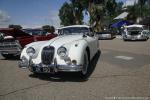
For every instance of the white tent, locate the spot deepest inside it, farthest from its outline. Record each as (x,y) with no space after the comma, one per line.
(122,15)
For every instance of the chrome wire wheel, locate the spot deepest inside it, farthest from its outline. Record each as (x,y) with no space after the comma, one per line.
(85,64)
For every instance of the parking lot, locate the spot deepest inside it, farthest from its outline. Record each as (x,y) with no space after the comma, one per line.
(122,72)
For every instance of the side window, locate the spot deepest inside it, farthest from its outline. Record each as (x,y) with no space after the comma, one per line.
(44,33)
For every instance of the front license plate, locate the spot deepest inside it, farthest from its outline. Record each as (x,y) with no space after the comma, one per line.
(133,38)
(47,70)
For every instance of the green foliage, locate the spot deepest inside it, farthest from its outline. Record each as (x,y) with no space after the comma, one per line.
(111,7)
(96,16)
(66,15)
(71,13)
(48,28)
(142,9)
(101,12)
(15,26)
(77,11)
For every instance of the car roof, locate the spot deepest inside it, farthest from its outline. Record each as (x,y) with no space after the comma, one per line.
(135,25)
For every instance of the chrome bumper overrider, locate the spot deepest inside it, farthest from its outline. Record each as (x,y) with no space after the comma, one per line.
(24,63)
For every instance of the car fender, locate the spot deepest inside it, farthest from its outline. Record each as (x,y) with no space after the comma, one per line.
(77,51)
(36,46)
(24,54)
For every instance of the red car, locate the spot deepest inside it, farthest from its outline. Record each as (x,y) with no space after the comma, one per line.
(12,41)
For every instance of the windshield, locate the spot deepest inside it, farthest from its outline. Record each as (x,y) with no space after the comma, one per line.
(35,31)
(134,29)
(73,30)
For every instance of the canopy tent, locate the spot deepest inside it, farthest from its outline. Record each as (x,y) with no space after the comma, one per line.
(120,23)
(122,15)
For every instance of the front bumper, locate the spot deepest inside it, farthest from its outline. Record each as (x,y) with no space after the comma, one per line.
(10,48)
(105,36)
(55,68)
(135,38)
(38,68)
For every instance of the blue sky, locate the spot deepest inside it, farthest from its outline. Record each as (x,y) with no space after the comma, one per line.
(31,13)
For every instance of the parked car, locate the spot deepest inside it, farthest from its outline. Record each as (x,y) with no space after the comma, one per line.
(135,32)
(12,41)
(105,35)
(71,51)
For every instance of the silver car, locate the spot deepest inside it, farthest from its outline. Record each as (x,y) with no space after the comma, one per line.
(105,35)
(135,32)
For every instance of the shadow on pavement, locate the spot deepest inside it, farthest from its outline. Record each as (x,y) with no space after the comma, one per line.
(13,58)
(67,76)
(10,59)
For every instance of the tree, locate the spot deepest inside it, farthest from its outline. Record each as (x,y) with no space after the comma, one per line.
(77,11)
(141,3)
(134,13)
(66,15)
(111,7)
(15,26)
(119,7)
(110,10)
(139,10)
(99,11)
(71,13)
(48,28)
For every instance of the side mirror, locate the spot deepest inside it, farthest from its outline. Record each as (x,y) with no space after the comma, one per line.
(85,34)
(91,34)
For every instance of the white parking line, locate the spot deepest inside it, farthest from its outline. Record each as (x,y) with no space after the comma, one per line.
(124,57)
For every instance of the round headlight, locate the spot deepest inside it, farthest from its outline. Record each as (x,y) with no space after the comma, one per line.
(30,51)
(62,52)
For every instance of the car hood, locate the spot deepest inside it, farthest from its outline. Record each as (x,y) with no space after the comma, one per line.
(63,40)
(56,42)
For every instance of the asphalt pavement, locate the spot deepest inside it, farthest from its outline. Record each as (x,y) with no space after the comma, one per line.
(120,72)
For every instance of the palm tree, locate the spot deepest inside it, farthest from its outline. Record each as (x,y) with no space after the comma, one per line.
(77,11)
(141,3)
(66,14)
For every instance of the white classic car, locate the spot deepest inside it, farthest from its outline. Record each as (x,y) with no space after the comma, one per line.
(71,51)
(136,32)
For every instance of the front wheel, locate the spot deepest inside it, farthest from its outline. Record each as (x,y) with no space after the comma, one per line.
(84,71)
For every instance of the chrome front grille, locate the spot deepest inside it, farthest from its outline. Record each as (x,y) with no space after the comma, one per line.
(9,46)
(47,55)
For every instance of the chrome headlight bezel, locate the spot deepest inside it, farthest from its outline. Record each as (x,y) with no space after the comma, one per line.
(62,52)
(30,51)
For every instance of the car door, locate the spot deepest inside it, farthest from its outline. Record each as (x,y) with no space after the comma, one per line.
(93,44)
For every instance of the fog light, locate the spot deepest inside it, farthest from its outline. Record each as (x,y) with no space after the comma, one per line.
(24,62)
(74,62)
(67,60)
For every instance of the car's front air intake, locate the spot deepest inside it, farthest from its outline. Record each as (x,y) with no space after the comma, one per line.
(47,55)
